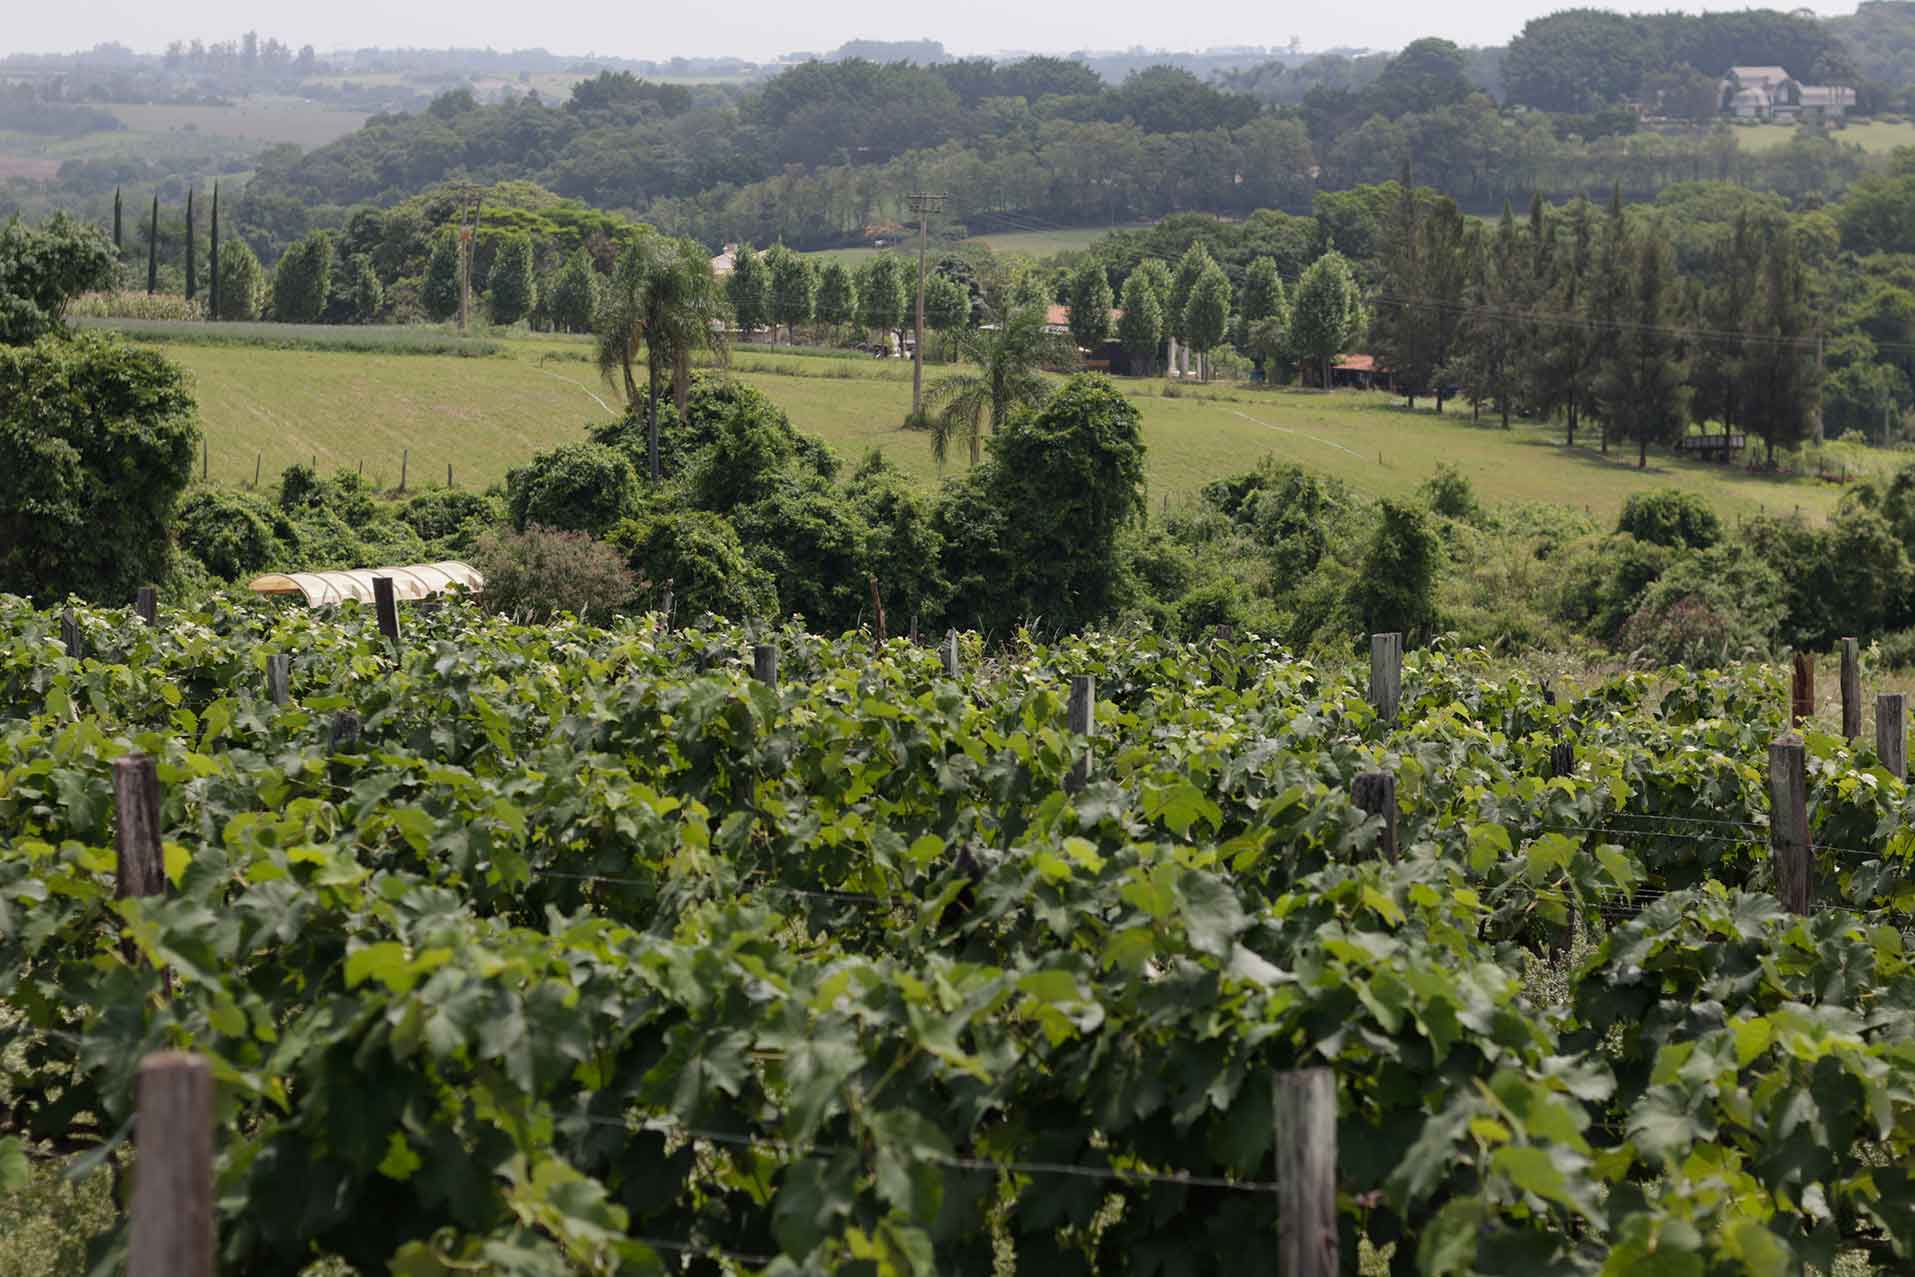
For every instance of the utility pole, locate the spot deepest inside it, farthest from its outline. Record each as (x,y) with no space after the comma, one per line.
(923,205)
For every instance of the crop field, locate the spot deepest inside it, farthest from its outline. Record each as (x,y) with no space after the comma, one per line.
(576,949)
(485,415)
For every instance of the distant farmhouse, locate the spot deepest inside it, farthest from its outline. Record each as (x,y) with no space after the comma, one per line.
(1771,93)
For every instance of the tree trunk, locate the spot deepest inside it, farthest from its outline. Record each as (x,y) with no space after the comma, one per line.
(1572,422)
(651,426)
(1504,405)
(1642,452)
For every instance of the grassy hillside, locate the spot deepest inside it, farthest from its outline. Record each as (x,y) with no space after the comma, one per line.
(485,415)
(1877,137)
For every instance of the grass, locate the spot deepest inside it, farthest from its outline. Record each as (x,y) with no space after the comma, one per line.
(1031,243)
(265,120)
(1877,137)
(484,416)
(395,339)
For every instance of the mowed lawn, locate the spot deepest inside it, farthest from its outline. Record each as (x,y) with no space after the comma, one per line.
(486,415)
(1877,137)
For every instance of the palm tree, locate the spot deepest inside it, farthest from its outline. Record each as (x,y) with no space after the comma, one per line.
(663,300)
(1008,359)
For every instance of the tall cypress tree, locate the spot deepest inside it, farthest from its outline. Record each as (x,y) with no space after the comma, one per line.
(153,249)
(1608,307)
(212,261)
(1784,392)
(119,242)
(192,276)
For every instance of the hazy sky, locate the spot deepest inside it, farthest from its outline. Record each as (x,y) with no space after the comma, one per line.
(762,29)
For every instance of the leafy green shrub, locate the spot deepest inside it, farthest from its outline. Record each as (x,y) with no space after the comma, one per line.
(811,540)
(540,572)
(580,487)
(231,533)
(1396,589)
(97,442)
(452,518)
(699,553)
(1710,608)
(1448,492)
(42,269)
(1670,517)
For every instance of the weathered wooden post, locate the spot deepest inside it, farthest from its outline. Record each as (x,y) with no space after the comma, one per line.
(147,603)
(1562,759)
(1083,722)
(948,653)
(1802,693)
(387,607)
(173,1169)
(205,459)
(764,664)
(448,474)
(1375,793)
(1306,1129)
(1851,691)
(279,677)
(1891,732)
(665,607)
(140,869)
(1386,674)
(1789,822)
(405,459)
(258,458)
(70,636)
(343,736)
(914,629)
(1226,633)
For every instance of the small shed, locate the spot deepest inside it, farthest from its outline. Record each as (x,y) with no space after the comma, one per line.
(414,581)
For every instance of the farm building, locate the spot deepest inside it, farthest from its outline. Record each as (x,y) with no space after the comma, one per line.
(1771,93)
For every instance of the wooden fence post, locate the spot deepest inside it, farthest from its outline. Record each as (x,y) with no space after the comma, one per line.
(343,736)
(1306,1128)
(764,664)
(387,607)
(448,474)
(666,607)
(1802,692)
(147,603)
(1851,691)
(948,653)
(70,636)
(140,871)
(1789,822)
(914,629)
(1386,674)
(258,458)
(1375,793)
(173,1169)
(205,459)
(1562,759)
(1083,722)
(405,458)
(1891,732)
(279,677)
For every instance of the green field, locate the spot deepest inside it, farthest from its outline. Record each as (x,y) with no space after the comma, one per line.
(1030,243)
(1877,137)
(266,120)
(486,415)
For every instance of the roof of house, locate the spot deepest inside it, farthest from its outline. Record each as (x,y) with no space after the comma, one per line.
(1827,95)
(1060,316)
(1759,75)
(1355,363)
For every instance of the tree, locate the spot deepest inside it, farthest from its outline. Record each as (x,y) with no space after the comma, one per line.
(794,289)
(947,307)
(1721,365)
(1090,305)
(1327,314)
(513,290)
(580,487)
(1207,316)
(212,259)
(1494,318)
(837,296)
(42,270)
(1395,591)
(1560,352)
(1785,390)
(748,288)
(1576,60)
(153,248)
(1643,385)
(1190,268)
(303,280)
(881,294)
(1008,358)
(663,301)
(439,294)
(574,296)
(192,275)
(1262,297)
(1141,328)
(368,296)
(1607,310)
(97,441)
(1427,75)
(240,281)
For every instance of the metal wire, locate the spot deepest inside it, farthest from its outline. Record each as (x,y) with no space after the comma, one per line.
(1184,1179)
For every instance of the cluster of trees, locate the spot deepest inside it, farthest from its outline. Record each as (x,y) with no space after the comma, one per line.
(1587,316)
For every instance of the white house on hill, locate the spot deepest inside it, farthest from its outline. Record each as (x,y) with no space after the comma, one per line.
(1771,93)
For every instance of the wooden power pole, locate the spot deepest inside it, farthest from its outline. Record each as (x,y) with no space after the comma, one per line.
(923,205)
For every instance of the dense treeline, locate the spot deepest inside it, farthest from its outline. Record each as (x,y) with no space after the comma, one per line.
(822,153)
